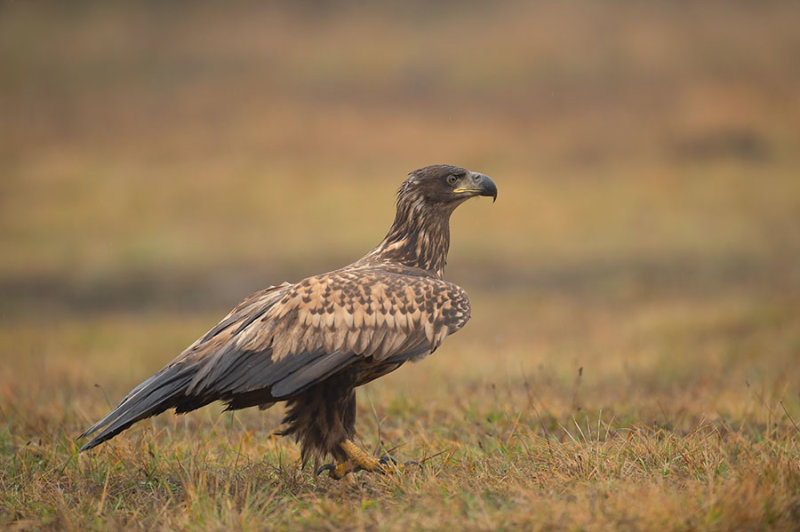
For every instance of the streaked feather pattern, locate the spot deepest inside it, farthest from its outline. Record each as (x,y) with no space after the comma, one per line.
(311,342)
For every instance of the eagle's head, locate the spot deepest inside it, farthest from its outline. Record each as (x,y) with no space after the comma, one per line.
(445,186)
(420,234)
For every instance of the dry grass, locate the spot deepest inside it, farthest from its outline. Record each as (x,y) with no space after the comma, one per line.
(632,358)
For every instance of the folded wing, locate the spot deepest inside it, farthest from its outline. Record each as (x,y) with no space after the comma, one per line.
(284,339)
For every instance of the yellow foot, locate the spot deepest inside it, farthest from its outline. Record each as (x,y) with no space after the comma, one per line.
(358,460)
(337,472)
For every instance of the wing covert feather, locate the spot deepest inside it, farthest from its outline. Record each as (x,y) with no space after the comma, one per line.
(286,338)
(368,313)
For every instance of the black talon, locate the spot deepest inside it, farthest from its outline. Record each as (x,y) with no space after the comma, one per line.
(387,460)
(326,467)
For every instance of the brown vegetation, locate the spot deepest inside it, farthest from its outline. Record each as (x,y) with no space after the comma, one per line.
(632,358)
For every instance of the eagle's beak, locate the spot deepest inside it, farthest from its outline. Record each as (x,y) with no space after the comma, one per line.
(481,185)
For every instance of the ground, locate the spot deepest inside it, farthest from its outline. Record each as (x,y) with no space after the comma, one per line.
(632,358)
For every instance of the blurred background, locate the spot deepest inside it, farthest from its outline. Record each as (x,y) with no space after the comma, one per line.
(160,161)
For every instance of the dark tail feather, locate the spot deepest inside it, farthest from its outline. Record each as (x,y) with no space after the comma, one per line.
(160,392)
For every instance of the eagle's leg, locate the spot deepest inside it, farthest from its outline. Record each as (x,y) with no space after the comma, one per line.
(359,457)
(357,460)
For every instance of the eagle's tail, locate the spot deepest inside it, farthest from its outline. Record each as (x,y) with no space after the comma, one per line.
(160,392)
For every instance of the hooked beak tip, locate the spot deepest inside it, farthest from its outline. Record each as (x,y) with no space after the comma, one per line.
(486,186)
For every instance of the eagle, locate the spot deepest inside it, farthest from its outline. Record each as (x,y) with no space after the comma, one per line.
(311,343)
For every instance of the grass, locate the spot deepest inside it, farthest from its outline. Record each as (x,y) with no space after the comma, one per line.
(631,362)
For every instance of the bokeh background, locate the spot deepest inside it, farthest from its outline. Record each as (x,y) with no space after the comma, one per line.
(160,161)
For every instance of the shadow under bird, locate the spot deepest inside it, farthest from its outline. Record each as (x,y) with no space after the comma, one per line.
(313,342)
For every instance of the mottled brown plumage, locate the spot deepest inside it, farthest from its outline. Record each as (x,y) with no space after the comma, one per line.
(311,343)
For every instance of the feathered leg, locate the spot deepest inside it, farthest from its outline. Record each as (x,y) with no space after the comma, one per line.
(322,417)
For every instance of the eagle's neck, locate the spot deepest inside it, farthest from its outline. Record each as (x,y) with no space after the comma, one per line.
(419,236)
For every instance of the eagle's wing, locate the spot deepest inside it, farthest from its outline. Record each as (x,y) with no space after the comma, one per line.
(284,339)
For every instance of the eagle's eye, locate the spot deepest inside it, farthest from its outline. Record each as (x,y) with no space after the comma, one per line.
(451,179)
